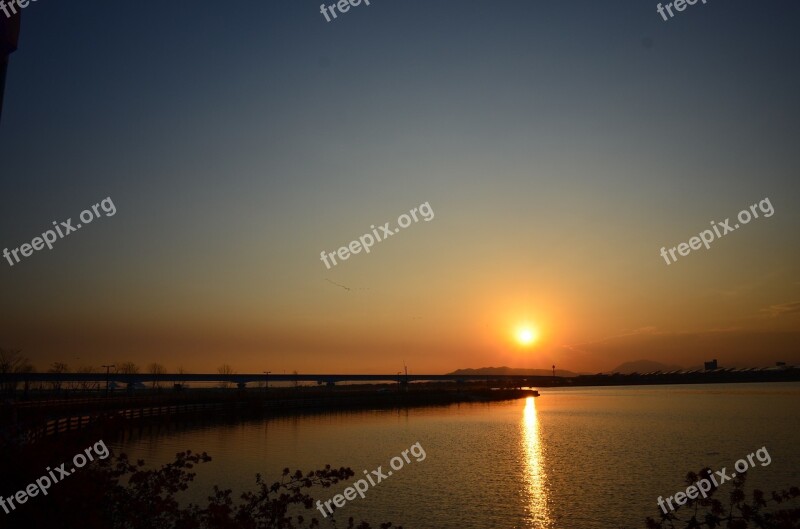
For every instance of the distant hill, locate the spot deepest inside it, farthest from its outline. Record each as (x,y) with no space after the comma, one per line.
(513,371)
(643,366)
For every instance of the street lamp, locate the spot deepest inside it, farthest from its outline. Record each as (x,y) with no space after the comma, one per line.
(107,369)
(266,380)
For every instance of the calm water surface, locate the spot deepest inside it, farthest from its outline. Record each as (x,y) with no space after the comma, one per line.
(570,459)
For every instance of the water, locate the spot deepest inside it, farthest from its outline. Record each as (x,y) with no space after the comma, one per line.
(573,458)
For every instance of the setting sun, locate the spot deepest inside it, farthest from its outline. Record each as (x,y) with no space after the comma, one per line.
(527,335)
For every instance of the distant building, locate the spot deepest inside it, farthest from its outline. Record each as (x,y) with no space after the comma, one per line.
(710,366)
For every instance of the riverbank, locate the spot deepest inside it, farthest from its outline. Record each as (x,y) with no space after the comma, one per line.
(30,422)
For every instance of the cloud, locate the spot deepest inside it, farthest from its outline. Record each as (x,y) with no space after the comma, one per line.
(733,347)
(635,332)
(783,308)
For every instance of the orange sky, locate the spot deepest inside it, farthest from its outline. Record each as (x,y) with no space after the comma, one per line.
(557,164)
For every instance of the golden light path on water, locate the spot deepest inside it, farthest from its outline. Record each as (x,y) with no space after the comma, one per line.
(536,479)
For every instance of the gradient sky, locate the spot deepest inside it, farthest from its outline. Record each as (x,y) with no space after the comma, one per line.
(559,144)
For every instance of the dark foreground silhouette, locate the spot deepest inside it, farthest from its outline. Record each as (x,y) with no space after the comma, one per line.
(737,513)
(117,493)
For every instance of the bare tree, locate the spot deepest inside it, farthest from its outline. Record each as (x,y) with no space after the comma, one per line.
(127,368)
(27,368)
(86,385)
(225,370)
(57,368)
(12,361)
(157,370)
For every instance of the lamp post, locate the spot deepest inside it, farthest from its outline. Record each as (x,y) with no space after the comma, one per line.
(107,370)
(266,381)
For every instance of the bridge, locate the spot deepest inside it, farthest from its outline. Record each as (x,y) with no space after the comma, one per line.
(244,379)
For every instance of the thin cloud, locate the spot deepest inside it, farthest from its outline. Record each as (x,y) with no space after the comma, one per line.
(647,331)
(635,332)
(781,309)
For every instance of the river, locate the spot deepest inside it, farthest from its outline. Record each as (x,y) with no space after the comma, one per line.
(585,458)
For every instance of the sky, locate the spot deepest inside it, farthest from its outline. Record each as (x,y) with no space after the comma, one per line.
(559,146)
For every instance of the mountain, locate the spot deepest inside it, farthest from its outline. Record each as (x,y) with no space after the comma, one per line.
(643,366)
(513,371)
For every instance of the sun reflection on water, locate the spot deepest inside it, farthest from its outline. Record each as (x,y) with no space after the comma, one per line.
(535,477)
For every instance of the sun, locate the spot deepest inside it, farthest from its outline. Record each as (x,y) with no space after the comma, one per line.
(526,335)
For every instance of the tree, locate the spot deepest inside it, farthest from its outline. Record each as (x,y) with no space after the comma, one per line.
(116,493)
(157,370)
(86,385)
(12,361)
(225,370)
(128,368)
(26,368)
(57,368)
(738,514)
